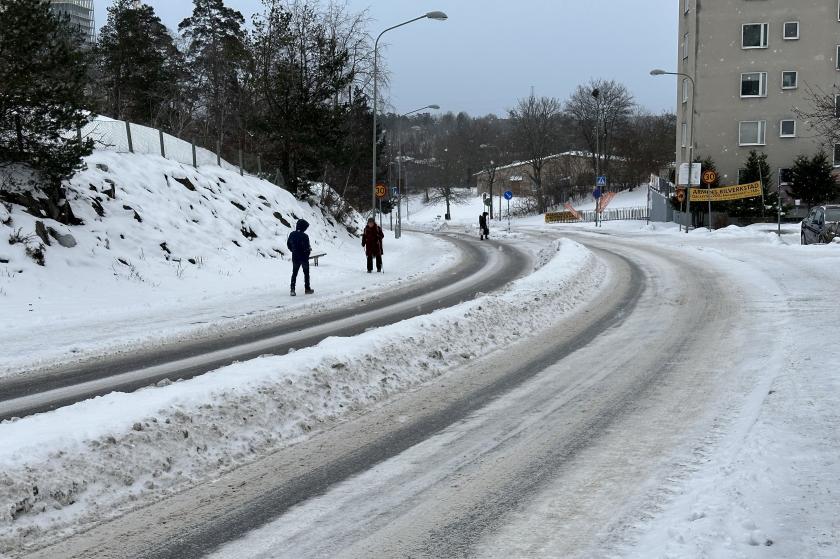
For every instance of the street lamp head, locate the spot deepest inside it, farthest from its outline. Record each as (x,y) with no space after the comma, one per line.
(435,107)
(657,72)
(440,16)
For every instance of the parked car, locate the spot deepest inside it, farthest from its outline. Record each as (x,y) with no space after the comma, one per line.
(821,225)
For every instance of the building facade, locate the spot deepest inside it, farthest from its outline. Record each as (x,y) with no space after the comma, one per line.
(753,62)
(81,14)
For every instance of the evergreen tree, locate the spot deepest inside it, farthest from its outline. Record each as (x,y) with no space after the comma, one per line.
(813,180)
(139,63)
(43,73)
(217,54)
(301,74)
(756,169)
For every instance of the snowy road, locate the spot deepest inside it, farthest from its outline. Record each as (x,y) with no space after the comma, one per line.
(441,470)
(481,268)
(582,441)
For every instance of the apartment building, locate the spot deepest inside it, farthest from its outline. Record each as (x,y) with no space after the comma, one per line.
(81,14)
(752,62)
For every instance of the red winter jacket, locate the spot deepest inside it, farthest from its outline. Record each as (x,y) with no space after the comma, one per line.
(372,240)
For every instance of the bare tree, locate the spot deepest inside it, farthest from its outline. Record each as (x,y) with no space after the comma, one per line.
(646,144)
(536,132)
(823,114)
(602,105)
(445,188)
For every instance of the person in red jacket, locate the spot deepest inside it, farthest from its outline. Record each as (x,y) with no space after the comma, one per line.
(372,241)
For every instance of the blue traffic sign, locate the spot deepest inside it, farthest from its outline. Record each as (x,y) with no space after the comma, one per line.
(602,181)
(508,195)
(597,193)
(395,192)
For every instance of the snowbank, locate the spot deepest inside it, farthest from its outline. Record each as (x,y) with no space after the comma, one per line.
(64,469)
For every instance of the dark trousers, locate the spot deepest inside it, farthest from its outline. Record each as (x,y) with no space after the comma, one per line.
(378,263)
(297,265)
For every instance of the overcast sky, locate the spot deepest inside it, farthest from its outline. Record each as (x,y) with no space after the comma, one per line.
(491,52)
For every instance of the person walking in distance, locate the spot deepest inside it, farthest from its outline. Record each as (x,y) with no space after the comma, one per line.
(484,229)
(372,241)
(298,243)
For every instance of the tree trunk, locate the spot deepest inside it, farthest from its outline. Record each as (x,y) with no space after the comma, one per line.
(19,129)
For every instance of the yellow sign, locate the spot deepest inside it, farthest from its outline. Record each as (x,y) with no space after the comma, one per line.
(726,193)
(561,217)
(681,195)
(381,190)
(709,177)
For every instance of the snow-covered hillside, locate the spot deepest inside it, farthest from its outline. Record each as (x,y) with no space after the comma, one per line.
(166,247)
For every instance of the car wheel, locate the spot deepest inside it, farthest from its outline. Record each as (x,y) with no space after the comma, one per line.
(802,239)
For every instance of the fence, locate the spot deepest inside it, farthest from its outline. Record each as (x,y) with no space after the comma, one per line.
(125,137)
(617,214)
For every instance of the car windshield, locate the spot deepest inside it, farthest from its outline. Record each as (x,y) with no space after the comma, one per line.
(832,214)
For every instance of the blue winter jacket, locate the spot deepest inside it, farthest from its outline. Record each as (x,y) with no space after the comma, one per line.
(298,242)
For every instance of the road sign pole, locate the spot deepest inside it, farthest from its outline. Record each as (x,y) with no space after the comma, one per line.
(399,218)
(508,208)
(709,191)
(709,177)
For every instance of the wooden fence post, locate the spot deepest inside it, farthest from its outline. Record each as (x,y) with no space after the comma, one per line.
(241,172)
(218,152)
(195,159)
(162,149)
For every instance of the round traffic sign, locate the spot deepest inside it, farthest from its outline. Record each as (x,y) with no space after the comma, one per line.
(381,191)
(681,195)
(709,177)
(508,195)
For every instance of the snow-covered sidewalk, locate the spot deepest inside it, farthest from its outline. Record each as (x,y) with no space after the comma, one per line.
(168,253)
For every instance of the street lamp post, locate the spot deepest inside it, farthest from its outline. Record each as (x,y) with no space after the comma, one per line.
(399,167)
(658,72)
(596,94)
(439,16)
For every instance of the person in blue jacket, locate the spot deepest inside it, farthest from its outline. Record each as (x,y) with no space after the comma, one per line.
(298,243)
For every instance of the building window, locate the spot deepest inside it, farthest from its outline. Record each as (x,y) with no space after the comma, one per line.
(754,84)
(791,30)
(685,91)
(787,129)
(685,46)
(837,155)
(837,58)
(752,132)
(754,35)
(790,80)
(684,134)
(742,176)
(837,106)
